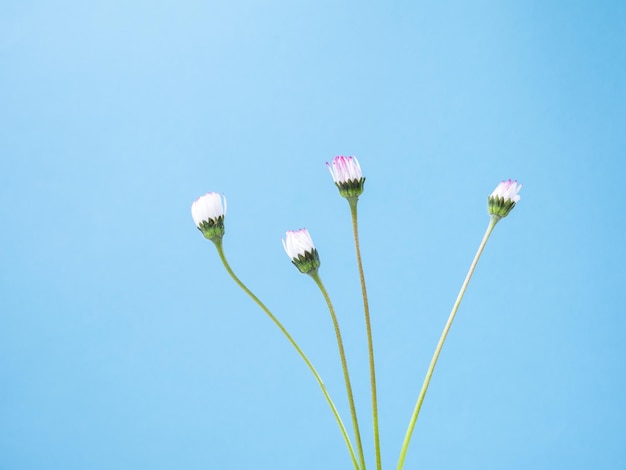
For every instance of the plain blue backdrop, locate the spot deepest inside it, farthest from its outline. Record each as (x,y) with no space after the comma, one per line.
(125,345)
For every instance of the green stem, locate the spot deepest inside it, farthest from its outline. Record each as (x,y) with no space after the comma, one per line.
(220,251)
(344,365)
(420,399)
(370,342)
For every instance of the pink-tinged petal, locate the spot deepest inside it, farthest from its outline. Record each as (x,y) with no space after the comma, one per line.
(502,200)
(507,190)
(298,242)
(345,169)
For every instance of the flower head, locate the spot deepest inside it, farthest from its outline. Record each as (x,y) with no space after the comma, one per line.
(299,247)
(503,199)
(208,213)
(346,173)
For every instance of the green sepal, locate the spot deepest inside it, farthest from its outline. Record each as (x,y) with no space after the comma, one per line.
(499,207)
(213,229)
(351,188)
(308,262)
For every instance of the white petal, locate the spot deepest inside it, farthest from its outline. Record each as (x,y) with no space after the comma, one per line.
(207,207)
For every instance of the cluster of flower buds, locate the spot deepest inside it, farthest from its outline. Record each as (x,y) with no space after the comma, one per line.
(208,213)
(209,210)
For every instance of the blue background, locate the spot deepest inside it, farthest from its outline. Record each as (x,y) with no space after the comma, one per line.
(124,344)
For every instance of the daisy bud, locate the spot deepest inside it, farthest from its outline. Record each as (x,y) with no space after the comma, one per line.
(300,249)
(346,173)
(208,213)
(503,199)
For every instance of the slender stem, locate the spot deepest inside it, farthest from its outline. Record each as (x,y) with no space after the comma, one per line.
(370,342)
(220,251)
(344,365)
(420,399)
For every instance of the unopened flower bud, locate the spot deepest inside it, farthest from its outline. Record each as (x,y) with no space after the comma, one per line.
(208,213)
(346,173)
(503,199)
(300,249)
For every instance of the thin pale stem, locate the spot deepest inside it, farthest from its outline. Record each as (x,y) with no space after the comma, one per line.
(370,343)
(344,433)
(344,365)
(420,399)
